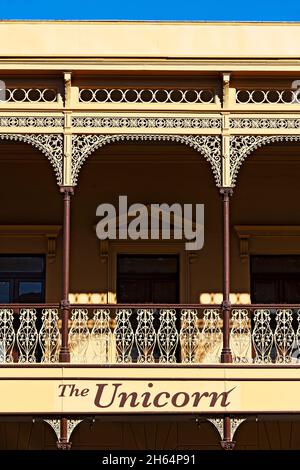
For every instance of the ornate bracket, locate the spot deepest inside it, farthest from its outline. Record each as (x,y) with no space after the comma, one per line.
(208,145)
(234,425)
(55,425)
(50,145)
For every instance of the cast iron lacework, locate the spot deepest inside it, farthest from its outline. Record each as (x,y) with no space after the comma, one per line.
(25,340)
(240,336)
(31,121)
(85,145)
(211,337)
(50,144)
(145,122)
(242,146)
(264,123)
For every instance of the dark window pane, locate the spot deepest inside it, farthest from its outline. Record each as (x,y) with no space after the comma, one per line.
(147,264)
(20,264)
(275,264)
(30,291)
(275,279)
(265,292)
(292,291)
(4,292)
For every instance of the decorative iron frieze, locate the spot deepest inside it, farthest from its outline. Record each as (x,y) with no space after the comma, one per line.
(264,123)
(31,121)
(84,145)
(146,122)
(146,95)
(269,96)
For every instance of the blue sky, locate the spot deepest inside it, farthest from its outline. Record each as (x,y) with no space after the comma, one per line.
(236,10)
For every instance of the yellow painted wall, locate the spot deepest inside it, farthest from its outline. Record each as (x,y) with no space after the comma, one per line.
(148,39)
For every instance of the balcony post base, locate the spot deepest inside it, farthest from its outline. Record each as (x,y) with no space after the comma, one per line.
(226,356)
(227,445)
(64,355)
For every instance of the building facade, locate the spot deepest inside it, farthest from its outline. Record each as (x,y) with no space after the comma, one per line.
(140,343)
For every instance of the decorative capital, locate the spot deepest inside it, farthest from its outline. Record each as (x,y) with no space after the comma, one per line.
(226,77)
(67,190)
(226,191)
(227,445)
(63,445)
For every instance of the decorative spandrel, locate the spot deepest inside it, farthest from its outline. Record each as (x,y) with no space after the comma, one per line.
(84,145)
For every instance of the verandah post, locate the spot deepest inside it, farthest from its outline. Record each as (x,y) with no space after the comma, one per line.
(226,356)
(64,355)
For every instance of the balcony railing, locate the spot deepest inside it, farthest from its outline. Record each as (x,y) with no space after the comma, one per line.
(149,334)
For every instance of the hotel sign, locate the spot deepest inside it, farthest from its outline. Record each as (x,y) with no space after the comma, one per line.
(43,390)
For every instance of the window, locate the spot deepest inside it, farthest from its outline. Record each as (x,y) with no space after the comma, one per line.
(22,279)
(148,279)
(275,279)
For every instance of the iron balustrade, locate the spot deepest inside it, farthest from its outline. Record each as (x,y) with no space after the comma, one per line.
(149,334)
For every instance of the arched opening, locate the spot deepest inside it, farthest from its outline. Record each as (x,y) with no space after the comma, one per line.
(30,215)
(265,253)
(266,201)
(147,173)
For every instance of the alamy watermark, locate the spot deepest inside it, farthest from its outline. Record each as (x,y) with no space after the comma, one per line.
(154,222)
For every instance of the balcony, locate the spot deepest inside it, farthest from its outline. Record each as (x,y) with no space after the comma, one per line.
(150,334)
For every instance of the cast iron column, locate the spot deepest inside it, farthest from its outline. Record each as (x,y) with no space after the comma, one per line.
(64,355)
(63,443)
(227,443)
(226,308)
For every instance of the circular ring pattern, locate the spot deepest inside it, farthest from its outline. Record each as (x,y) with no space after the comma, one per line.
(146,96)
